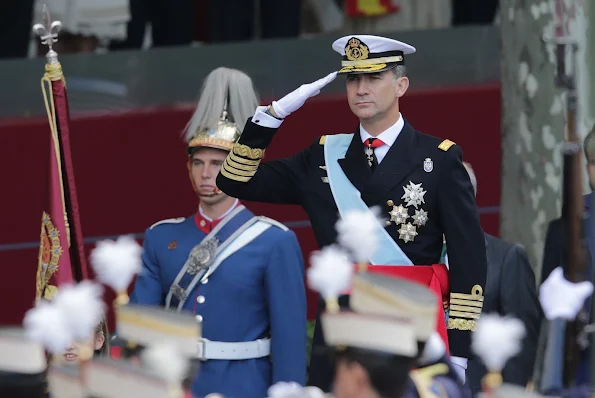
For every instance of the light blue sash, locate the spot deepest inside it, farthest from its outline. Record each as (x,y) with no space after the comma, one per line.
(348,198)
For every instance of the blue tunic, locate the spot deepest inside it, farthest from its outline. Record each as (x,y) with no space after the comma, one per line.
(256,292)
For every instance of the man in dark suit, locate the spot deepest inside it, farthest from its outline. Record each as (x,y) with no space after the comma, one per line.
(510,290)
(417,181)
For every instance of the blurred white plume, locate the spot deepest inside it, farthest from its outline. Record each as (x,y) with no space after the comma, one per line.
(357,233)
(497,339)
(116,262)
(330,272)
(47,325)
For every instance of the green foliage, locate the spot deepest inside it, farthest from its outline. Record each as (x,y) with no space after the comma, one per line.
(309,334)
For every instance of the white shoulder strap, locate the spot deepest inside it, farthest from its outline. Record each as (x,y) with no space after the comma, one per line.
(242,240)
(168,221)
(273,222)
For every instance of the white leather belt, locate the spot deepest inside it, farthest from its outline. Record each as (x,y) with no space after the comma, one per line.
(208,349)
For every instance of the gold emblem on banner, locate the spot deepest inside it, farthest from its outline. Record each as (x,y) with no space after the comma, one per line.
(50,252)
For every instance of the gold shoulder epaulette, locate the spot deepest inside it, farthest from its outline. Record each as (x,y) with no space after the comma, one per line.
(322,140)
(446,144)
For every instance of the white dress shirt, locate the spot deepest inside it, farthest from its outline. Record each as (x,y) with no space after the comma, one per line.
(388,136)
(202,213)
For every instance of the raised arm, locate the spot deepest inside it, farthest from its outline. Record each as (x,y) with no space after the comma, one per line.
(245,176)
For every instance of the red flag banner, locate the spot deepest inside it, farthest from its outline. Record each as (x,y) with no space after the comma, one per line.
(370,8)
(61,253)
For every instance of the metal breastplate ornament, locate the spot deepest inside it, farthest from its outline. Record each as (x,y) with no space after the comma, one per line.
(202,256)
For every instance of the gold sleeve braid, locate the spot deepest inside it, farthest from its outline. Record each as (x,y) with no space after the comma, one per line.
(465,309)
(242,162)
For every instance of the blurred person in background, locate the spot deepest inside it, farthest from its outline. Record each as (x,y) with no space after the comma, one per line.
(172,23)
(87,25)
(510,290)
(15,28)
(473,12)
(239,20)
(554,254)
(377,16)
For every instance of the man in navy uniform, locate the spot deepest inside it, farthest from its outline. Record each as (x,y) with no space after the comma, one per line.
(242,275)
(417,180)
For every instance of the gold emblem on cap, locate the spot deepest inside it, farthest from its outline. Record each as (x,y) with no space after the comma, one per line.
(356,50)
(172,245)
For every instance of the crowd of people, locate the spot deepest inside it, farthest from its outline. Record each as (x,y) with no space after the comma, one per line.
(91,26)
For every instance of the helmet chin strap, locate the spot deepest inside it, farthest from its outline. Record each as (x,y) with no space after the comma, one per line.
(216,192)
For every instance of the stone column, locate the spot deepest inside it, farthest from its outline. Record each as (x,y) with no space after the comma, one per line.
(532,126)
(590,11)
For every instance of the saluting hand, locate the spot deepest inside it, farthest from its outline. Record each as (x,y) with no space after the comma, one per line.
(294,100)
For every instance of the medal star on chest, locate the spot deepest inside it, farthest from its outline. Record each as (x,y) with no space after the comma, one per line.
(407,232)
(420,217)
(414,194)
(399,214)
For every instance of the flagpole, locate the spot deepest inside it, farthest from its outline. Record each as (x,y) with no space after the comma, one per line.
(61,255)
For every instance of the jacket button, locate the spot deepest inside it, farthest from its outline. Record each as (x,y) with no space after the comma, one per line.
(198,318)
(205,281)
(200,299)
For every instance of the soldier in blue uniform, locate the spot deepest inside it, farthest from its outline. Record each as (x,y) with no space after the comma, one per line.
(417,180)
(242,275)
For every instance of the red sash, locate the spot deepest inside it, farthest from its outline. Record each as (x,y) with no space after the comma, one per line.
(435,277)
